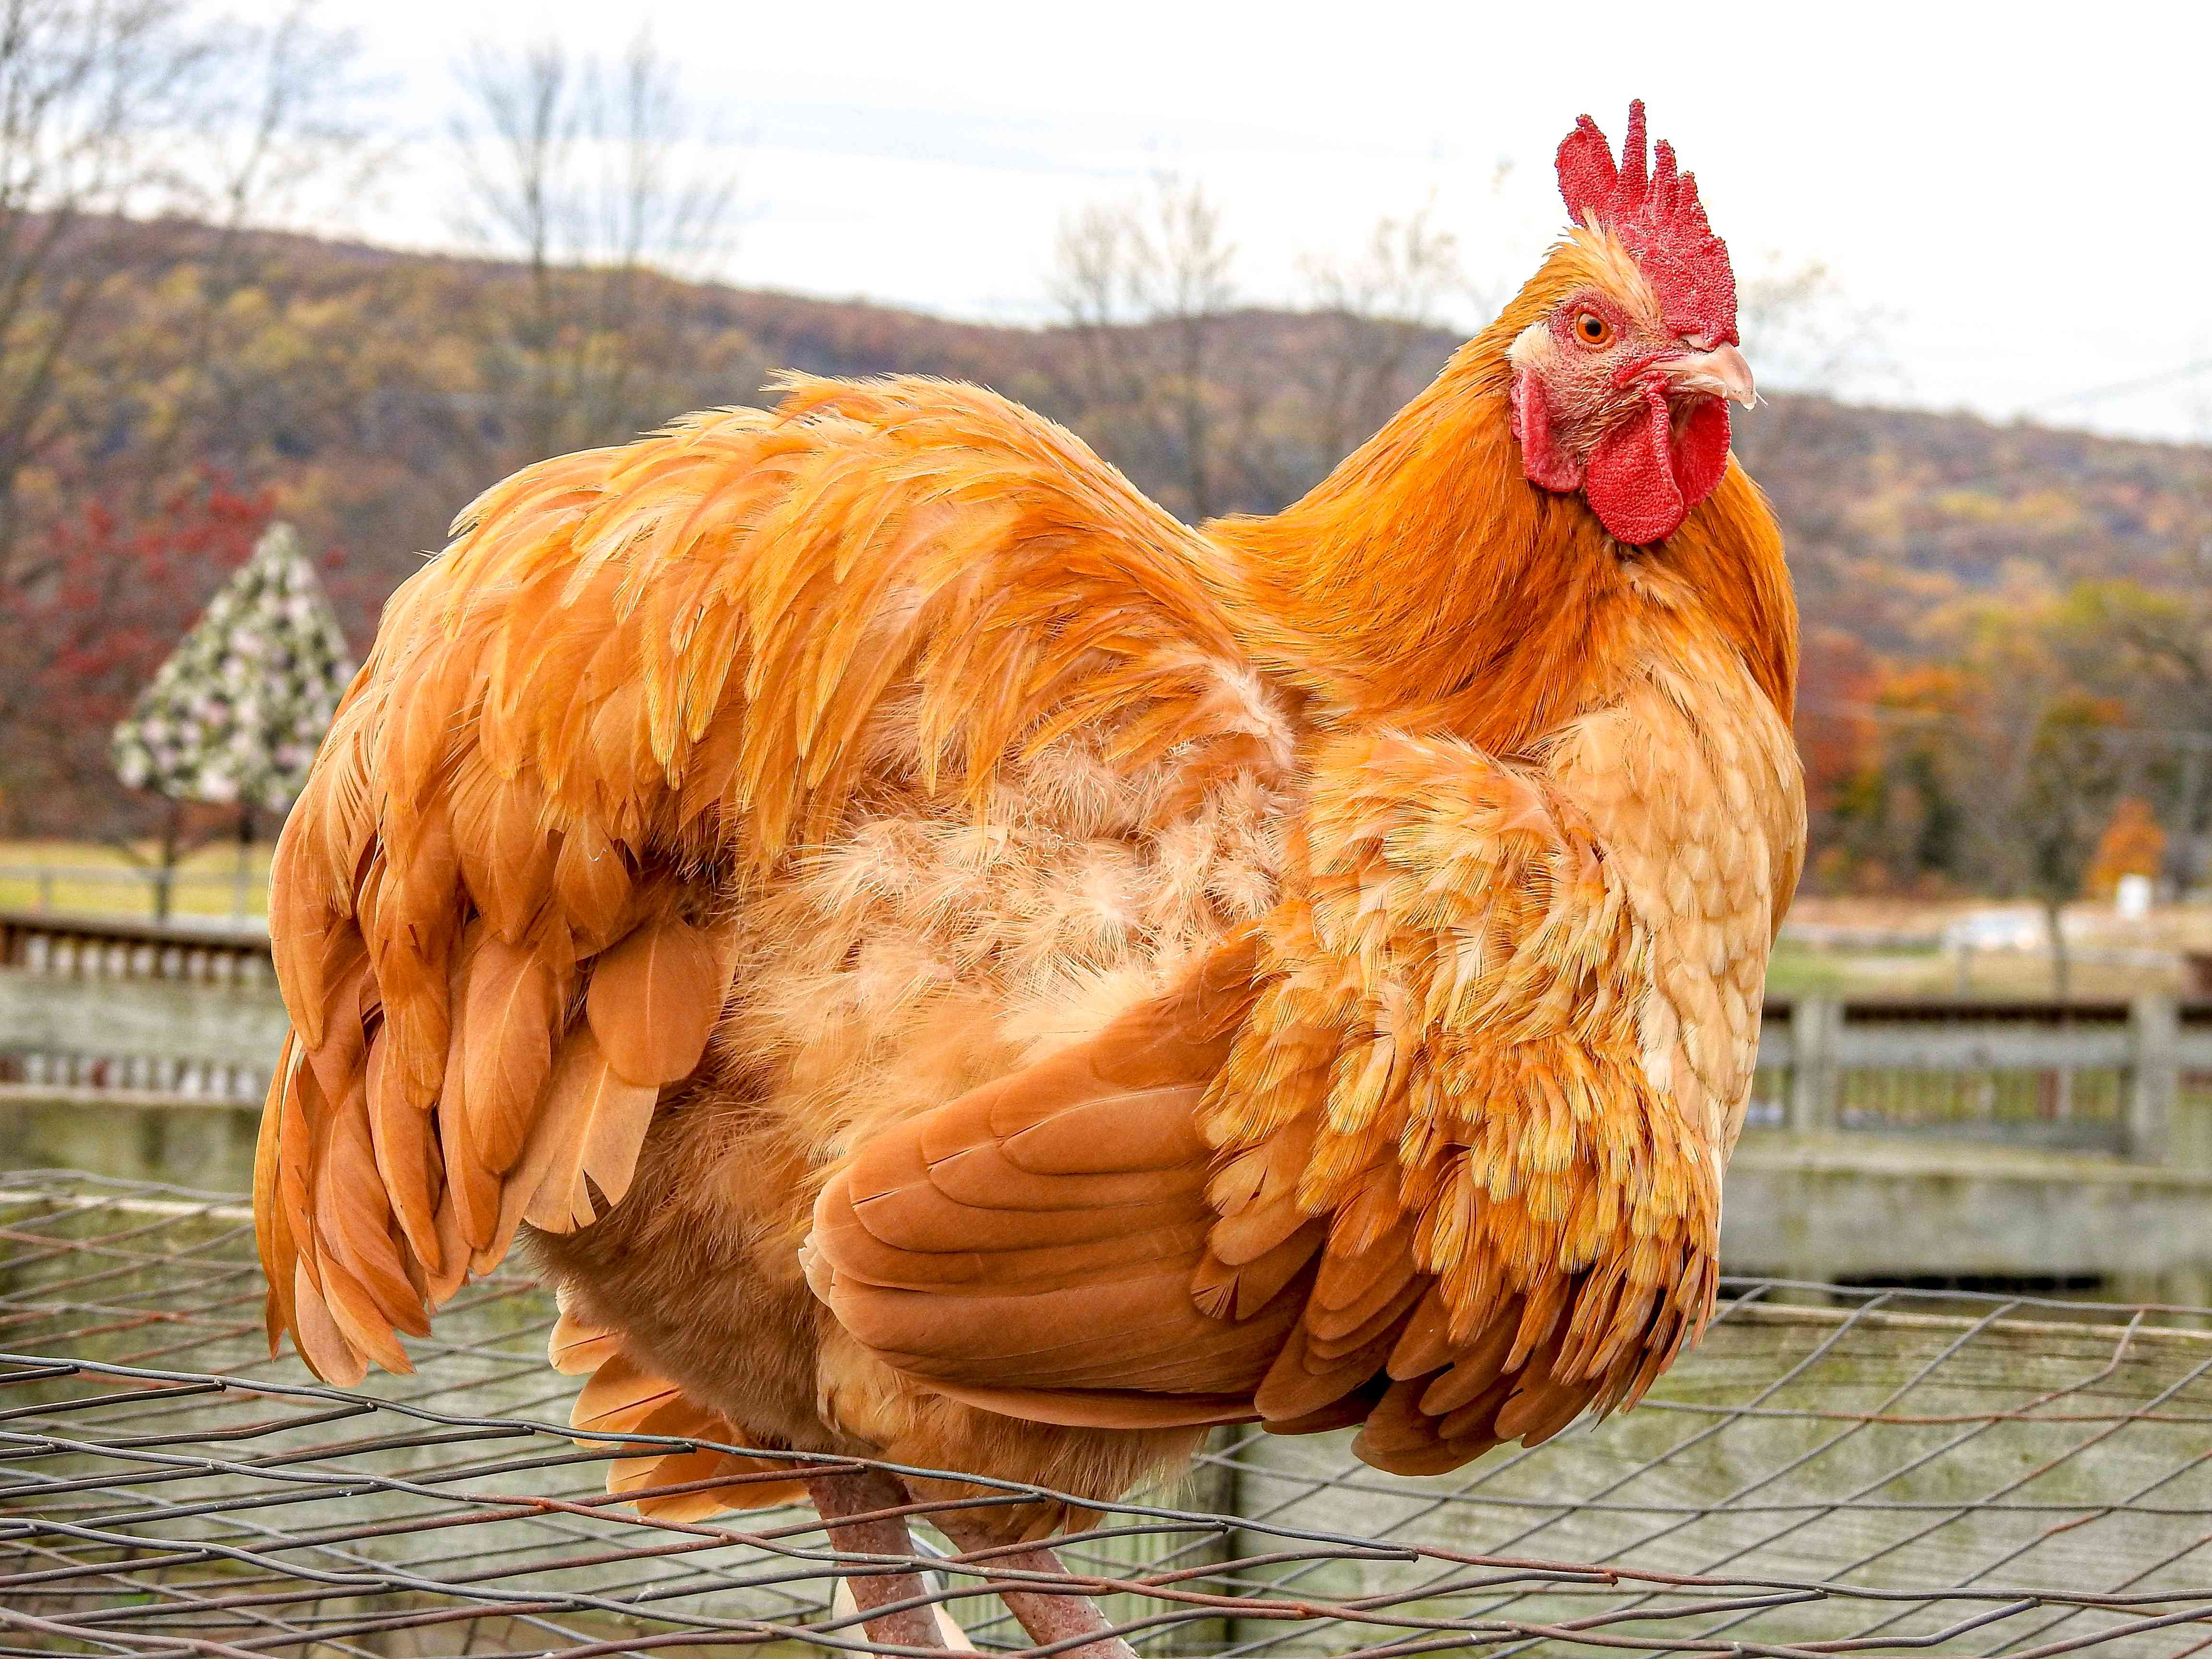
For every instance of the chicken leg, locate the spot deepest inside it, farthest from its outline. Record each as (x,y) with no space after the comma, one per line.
(1049,1616)
(863,1491)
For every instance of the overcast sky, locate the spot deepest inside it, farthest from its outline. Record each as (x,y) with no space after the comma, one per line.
(2022,202)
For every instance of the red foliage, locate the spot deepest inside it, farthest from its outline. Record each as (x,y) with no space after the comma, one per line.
(113,598)
(2132,845)
(1839,681)
(94,610)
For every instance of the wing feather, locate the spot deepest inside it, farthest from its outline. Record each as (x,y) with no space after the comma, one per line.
(634,684)
(653,1000)
(1394,1159)
(407,1158)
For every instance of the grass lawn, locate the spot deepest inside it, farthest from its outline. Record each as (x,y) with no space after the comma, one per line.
(1990,975)
(87,875)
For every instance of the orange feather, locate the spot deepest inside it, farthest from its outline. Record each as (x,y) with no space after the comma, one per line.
(1302,968)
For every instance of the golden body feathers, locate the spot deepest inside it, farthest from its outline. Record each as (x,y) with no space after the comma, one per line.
(951,964)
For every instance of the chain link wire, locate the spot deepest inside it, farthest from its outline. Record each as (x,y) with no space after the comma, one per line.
(1832,1472)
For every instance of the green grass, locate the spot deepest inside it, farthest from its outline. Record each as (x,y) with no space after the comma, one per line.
(1795,972)
(209,889)
(1934,975)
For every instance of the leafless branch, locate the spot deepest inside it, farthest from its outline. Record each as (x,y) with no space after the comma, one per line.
(585,173)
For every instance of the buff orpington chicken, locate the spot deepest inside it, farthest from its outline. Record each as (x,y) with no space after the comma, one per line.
(944,963)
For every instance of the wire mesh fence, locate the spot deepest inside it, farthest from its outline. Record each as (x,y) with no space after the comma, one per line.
(1832,1472)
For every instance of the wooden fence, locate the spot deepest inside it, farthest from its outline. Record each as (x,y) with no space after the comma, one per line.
(2105,1076)
(91,1003)
(1885,1138)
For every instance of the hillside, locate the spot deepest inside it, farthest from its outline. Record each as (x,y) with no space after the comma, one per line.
(1889,512)
(1887,509)
(369,393)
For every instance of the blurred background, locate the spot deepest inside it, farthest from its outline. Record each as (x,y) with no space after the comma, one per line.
(284,286)
(341,264)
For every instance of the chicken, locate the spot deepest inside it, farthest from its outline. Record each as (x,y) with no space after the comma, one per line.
(944,962)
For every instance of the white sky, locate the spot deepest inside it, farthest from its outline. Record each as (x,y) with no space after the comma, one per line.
(2019,190)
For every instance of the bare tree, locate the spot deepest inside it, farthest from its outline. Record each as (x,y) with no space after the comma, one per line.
(1804,332)
(144,144)
(585,173)
(1380,314)
(114,115)
(86,89)
(281,117)
(1144,287)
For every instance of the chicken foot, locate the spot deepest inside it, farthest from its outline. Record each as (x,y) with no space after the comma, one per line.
(1047,1615)
(861,1491)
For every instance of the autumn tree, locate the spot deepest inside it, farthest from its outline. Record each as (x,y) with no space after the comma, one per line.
(1929,714)
(129,129)
(1839,738)
(2070,778)
(1145,289)
(2036,754)
(144,144)
(2132,844)
(585,173)
(83,643)
(2153,648)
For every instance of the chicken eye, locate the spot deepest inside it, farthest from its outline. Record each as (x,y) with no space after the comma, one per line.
(1593,330)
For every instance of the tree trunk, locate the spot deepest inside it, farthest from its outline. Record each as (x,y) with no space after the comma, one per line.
(165,872)
(2061,969)
(242,872)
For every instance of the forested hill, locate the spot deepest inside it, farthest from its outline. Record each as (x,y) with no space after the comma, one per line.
(367,394)
(377,391)
(1889,512)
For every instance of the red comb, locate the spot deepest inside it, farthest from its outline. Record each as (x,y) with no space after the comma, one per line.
(1658,216)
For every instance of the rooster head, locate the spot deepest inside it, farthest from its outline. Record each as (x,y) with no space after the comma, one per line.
(1620,383)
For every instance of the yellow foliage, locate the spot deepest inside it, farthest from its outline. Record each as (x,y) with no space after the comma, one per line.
(2046,508)
(2132,845)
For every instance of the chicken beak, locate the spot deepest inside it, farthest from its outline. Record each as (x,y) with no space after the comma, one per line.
(1720,372)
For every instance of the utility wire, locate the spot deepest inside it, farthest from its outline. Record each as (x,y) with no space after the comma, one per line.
(2126,388)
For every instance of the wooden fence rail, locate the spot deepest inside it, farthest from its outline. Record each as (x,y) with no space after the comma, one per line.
(2108,1076)
(1885,1137)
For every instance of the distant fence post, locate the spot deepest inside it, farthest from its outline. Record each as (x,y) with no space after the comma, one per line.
(2155,1084)
(1811,1104)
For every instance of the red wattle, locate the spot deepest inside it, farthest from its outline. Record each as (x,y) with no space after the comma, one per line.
(1701,451)
(1631,484)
